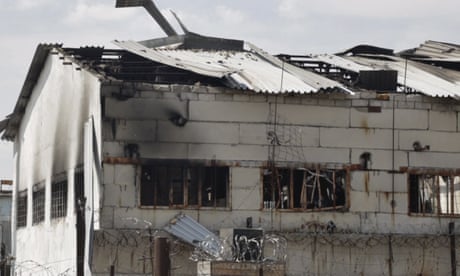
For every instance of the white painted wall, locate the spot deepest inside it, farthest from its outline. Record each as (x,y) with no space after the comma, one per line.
(49,142)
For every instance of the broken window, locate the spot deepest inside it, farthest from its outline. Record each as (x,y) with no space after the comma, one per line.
(38,204)
(317,189)
(184,186)
(434,194)
(59,199)
(21,215)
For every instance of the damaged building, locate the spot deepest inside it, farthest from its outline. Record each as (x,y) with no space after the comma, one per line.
(332,164)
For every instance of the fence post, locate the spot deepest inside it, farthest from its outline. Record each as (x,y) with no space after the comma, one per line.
(453,257)
(161,257)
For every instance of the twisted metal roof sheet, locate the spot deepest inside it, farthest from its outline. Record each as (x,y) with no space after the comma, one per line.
(436,50)
(426,79)
(252,70)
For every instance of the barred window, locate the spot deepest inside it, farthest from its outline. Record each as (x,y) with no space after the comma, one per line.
(59,199)
(304,189)
(432,194)
(184,186)
(21,214)
(38,204)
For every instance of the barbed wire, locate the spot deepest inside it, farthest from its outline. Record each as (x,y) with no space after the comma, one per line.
(285,139)
(34,267)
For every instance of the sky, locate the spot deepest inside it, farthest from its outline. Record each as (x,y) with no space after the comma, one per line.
(277,26)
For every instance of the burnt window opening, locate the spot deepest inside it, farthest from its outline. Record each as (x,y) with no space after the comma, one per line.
(431,194)
(184,186)
(59,199)
(38,204)
(21,214)
(304,189)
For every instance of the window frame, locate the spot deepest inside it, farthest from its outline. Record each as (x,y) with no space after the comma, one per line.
(436,203)
(59,197)
(38,203)
(187,169)
(295,202)
(21,209)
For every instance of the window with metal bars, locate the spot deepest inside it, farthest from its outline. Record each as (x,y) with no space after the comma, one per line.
(432,194)
(21,214)
(38,204)
(184,186)
(59,199)
(304,189)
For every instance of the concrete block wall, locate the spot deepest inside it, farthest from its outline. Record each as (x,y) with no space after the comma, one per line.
(231,126)
(330,130)
(320,255)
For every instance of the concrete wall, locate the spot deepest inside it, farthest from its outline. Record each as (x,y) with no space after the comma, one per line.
(330,130)
(50,142)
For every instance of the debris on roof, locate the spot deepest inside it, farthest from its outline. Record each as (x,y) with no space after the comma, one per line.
(433,69)
(417,77)
(441,54)
(248,70)
(414,75)
(366,49)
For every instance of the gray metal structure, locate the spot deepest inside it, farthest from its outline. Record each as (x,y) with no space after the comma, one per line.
(195,234)
(248,70)
(418,77)
(152,10)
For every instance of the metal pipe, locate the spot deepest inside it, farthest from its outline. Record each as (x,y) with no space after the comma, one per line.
(159,18)
(152,10)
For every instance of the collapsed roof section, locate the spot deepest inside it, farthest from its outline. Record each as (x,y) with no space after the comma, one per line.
(241,65)
(193,59)
(446,55)
(414,73)
(411,76)
(236,64)
(250,69)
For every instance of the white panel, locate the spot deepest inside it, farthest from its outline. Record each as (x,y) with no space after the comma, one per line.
(51,139)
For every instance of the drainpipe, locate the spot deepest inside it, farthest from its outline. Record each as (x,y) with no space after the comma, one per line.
(14,206)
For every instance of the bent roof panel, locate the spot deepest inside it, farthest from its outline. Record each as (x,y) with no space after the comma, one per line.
(439,51)
(423,78)
(251,70)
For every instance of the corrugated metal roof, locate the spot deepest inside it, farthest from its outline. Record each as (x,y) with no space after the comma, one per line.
(342,62)
(189,230)
(252,70)
(436,50)
(426,79)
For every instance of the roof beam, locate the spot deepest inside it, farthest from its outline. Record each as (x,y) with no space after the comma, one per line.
(152,10)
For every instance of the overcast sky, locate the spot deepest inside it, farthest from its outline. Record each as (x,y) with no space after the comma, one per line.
(278,26)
